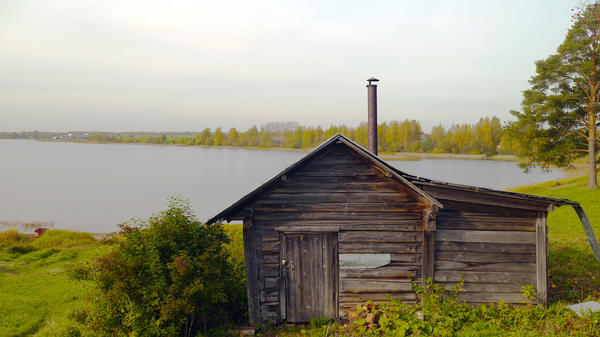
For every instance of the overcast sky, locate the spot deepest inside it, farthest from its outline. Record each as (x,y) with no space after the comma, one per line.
(186,65)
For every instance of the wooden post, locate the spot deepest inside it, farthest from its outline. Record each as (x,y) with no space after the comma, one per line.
(283,265)
(429,227)
(541,254)
(589,231)
(251,269)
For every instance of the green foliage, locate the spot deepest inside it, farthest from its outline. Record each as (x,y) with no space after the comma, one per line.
(560,111)
(440,313)
(483,137)
(318,322)
(529,292)
(170,275)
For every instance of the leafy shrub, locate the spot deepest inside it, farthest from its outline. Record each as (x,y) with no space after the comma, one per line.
(72,331)
(238,297)
(170,275)
(441,313)
(319,322)
(64,239)
(80,271)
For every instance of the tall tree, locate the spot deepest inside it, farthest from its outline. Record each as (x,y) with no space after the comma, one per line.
(559,118)
(232,137)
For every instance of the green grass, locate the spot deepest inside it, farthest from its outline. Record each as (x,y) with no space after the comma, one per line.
(12,237)
(64,239)
(36,292)
(37,295)
(574,273)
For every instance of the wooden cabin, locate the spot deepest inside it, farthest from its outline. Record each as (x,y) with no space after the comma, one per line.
(340,227)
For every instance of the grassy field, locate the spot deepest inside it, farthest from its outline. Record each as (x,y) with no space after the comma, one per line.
(573,271)
(37,293)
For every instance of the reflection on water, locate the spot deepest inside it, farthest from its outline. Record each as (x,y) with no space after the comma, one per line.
(93,187)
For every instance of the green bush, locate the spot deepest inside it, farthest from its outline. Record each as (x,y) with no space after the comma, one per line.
(319,322)
(238,299)
(441,313)
(168,276)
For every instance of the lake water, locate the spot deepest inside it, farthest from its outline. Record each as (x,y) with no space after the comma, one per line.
(93,187)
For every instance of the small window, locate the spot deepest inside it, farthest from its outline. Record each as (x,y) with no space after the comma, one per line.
(364,260)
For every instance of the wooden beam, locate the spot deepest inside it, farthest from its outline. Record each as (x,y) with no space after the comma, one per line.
(282,278)
(457,194)
(542,259)
(308,228)
(251,271)
(589,231)
(429,227)
(512,237)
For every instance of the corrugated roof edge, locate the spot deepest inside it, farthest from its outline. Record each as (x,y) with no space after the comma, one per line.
(557,201)
(412,178)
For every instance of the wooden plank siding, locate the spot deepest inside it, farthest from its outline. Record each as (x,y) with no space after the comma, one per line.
(342,197)
(368,212)
(492,250)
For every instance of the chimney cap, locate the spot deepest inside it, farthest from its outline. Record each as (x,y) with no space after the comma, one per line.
(372,79)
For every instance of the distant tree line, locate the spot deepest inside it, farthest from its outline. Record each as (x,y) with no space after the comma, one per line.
(483,137)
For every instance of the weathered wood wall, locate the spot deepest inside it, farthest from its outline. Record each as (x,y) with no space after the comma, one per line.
(494,251)
(340,192)
(495,242)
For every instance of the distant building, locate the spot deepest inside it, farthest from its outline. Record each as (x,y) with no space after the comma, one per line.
(40,231)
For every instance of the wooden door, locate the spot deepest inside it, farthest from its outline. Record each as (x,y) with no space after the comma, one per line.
(310,273)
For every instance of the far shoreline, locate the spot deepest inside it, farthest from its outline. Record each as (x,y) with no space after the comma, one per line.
(394,156)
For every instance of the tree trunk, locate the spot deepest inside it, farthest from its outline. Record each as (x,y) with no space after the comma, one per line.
(592,179)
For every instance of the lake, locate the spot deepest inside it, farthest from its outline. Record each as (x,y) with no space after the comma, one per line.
(93,187)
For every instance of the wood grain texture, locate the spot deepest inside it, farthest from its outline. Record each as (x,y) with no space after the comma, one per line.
(479,287)
(485,247)
(489,297)
(485,277)
(311,276)
(251,274)
(464,266)
(483,257)
(379,248)
(457,194)
(361,286)
(429,233)
(377,237)
(387,272)
(511,237)
(542,259)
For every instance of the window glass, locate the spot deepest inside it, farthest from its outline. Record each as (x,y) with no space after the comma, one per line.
(364,260)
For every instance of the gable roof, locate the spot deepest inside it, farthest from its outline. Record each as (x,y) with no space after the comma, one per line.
(337,139)
(409,180)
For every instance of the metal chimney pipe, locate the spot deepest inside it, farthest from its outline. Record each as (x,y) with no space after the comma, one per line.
(372,123)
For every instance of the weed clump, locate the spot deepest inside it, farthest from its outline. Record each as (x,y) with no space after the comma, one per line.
(21,249)
(12,237)
(440,312)
(63,239)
